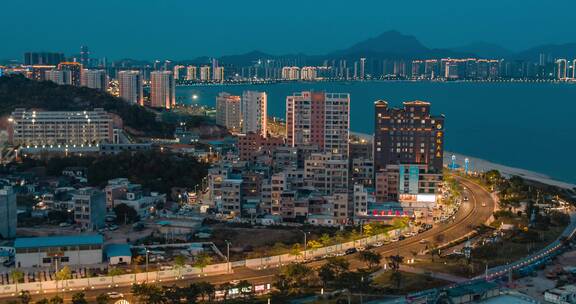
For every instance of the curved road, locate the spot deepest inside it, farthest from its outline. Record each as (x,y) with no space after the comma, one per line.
(470,215)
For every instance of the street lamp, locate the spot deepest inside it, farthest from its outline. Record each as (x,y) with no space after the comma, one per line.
(305,242)
(227,256)
(147,252)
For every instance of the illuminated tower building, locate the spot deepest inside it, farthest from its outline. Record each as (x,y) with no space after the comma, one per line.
(162,90)
(130,86)
(75,69)
(254,108)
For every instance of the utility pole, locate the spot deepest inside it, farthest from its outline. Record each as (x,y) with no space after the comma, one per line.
(227,256)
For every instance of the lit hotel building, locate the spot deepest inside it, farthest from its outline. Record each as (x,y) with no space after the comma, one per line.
(320,119)
(408,153)
(162,90)
(130,87)
(47,128)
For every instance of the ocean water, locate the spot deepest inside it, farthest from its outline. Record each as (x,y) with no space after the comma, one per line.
(525,125)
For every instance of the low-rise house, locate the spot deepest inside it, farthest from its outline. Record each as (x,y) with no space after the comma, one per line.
(118,254)
(561,295)
(58,250)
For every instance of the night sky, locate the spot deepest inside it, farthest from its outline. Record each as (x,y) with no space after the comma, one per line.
(184,29)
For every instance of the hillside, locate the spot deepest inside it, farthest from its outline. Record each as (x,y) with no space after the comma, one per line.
(20,92)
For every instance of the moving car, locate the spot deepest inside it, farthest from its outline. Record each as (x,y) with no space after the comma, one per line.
(114,295)
(351,250)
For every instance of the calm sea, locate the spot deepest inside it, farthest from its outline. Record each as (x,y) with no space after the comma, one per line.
(526,125)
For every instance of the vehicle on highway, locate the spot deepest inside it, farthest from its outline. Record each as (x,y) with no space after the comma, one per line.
(465,199)
(400,238)
(378,244)
(423,241)
(351,250)
(114,295)
(483,204)
(361,248)
(394,239)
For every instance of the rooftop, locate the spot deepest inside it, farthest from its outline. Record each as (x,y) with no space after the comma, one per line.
(55,241)
(116,250)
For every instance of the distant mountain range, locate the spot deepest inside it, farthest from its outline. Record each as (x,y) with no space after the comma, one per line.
(395,45)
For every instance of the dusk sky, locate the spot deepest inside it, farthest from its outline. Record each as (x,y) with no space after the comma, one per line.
(179,29)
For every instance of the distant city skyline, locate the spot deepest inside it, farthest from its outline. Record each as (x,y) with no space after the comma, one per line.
(184,30)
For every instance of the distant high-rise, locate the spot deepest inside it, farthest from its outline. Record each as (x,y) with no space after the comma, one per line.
(362,68)
(43,58)
(219,74)
(58,76)
(179,72)
(162,90)
(318,118)
(214,68)
(205,73)
(561,69)
(228,113)
(75,69)
(130,85)
(95,79)
(191,73)
(410,135)
(254,108)
(84,56)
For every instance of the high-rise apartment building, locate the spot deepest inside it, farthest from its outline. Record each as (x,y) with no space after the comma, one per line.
(95,79)
(561,69)
(130,87)
(191,72)
(43,58)
(319,118)
(162,90)
(254,109)
(75,69)
(180,72)
(59,77)
(84,56)
(408,135)
(205,74)
(228,113)
(219,74)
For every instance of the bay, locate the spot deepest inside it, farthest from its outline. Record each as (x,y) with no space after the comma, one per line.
(520,124)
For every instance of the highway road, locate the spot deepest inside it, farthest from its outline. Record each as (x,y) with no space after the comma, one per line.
(470,215)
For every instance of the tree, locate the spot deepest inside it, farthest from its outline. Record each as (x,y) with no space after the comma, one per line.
(148,293)
(25,297)
(370,258)
(16,276)
(202,260)
(102,299)
(313,244)
(394,262)
(206,290)
(226,288)
(56,300)
(179,263)
(291,278)
(325,239)
(79,298)
(333,270)
(295,250)
(191,293)
(45,301)
(64,274)
(172,294)
(125,214)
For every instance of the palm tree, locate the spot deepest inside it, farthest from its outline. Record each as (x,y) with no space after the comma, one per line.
(394,261)
(206,290)
(226,288)
(63,275)
(16,276)
(79,298)
(102,299)
(56,300)
(25,297)
(370,258)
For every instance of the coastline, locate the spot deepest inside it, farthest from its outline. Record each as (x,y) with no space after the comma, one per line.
(482,165)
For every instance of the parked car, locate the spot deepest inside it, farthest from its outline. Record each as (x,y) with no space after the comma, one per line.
(351,250)
(378,244)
